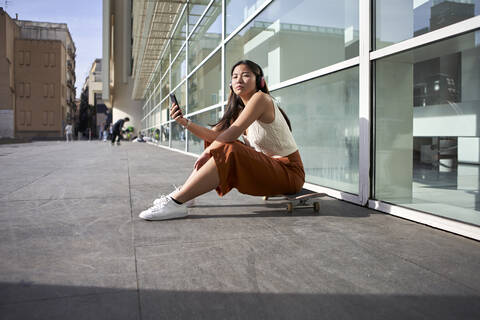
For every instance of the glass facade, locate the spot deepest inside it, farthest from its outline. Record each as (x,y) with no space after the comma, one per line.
(412,144)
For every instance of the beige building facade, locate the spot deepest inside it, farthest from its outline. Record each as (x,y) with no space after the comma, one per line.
(8,31)
(94,82)
(93,85)
(40,88)
(37,77)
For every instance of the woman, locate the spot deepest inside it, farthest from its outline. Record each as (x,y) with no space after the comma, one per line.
(267,163)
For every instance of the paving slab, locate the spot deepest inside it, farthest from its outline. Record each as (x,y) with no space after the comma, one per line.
(73,247)
(66,242)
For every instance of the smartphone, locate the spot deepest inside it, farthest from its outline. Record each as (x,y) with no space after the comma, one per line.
(174,99)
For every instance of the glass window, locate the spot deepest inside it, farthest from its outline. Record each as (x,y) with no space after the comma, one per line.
(238,11)
(165,111)
(195,144)
(325,127)
(179,69)
(157,115)
(179,36)
(165,63)
(165,86)
(204,86)
(195,10)
(207,36)
(164,134)
(427,144)
(157,95)
(396,21)
(181,96)
(291,38)
(178,136)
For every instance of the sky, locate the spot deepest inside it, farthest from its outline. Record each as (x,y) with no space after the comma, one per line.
(84,20)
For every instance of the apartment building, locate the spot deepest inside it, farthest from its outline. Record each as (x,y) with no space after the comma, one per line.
(40,93)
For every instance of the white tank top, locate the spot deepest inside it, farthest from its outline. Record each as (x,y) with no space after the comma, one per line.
(273,139)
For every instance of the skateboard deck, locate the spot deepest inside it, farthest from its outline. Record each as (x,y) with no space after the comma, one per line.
(300,200)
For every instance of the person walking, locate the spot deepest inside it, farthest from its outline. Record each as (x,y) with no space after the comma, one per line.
(68,132)
(268,163)
(117,130)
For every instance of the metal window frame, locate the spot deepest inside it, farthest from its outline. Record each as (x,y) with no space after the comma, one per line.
(428,219)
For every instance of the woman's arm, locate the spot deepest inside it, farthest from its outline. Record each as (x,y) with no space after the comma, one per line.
(203,133)
(255,108)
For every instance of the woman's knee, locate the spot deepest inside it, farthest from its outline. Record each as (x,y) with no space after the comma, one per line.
(229,147)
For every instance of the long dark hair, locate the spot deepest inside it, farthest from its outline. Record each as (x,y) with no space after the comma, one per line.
(235,104)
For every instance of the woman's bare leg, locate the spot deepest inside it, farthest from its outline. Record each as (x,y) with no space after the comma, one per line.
(194,172)
(200,182)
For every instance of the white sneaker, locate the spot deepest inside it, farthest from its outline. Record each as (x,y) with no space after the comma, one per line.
(189,203)
(166,209)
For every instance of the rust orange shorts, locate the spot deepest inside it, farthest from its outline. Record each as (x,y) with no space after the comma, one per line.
(254,173)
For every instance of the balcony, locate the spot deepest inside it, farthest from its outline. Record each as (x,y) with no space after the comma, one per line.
(71,53)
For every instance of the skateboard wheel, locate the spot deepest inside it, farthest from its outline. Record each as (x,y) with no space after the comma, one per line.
(316,206)
(265,198)
(289,207)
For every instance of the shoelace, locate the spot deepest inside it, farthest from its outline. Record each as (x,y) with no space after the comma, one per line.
(176,188)
(163,200)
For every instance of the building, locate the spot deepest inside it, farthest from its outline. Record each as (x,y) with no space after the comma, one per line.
(38,98)
(93,87)
(118,81)
(8,32)
(383,96)
(94,83)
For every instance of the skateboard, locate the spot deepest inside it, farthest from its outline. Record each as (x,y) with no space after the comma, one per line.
(300,200)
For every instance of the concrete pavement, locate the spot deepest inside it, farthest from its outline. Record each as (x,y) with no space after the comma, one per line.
(72,247)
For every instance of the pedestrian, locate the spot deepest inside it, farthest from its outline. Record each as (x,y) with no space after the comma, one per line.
(68,132)
(105,131)
(117,130)
(267,163)
(100,131)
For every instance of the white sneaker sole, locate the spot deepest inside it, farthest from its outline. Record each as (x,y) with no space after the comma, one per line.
(170,216)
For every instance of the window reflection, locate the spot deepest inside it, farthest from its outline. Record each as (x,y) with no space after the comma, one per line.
(178,136)
(207,36)
(179,36)
(195,11)
(195,144)
(204,86)
(179,69)
(325,127)
(428,131)
(400,20)
(291,38)
(238,11)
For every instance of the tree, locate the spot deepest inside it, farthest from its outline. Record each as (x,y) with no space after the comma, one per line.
(87,115)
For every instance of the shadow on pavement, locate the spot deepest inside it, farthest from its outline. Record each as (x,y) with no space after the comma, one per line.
(37,301)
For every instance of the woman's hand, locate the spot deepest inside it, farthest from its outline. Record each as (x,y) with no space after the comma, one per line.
(202,160)
(176,114)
